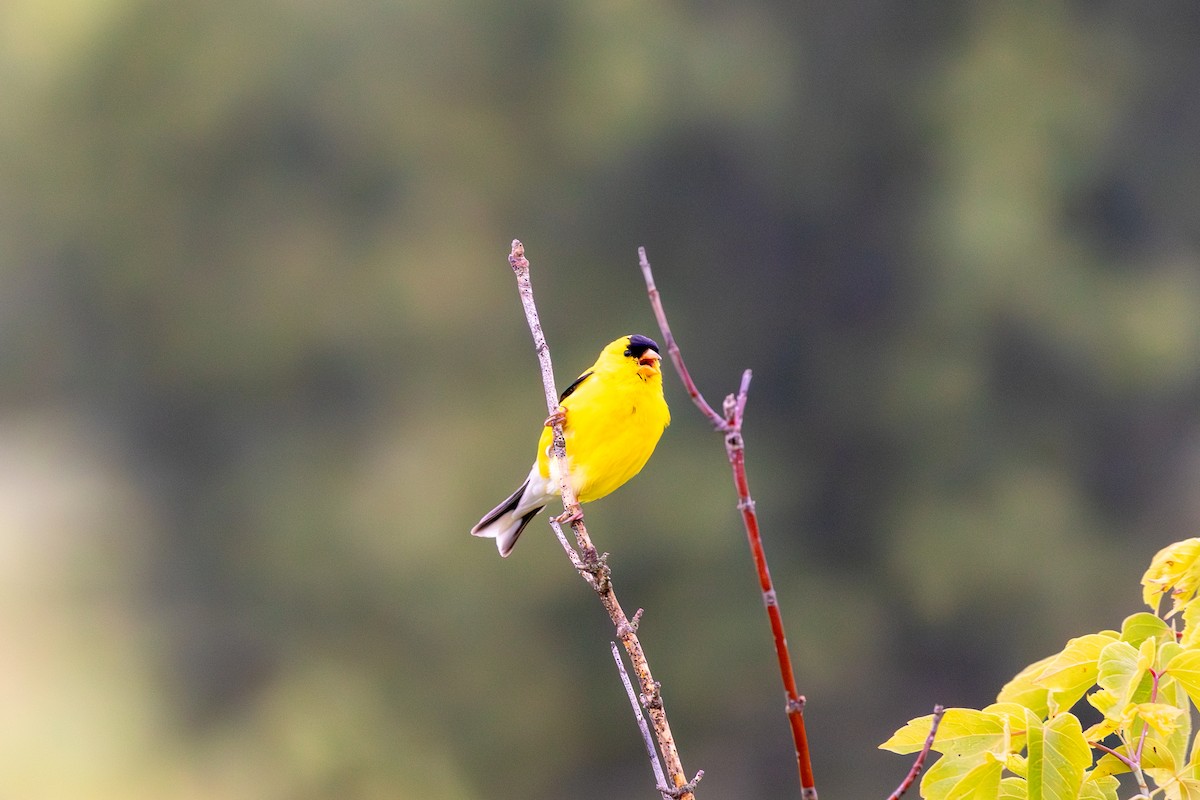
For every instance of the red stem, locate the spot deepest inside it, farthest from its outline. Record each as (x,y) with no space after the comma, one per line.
(672,348)
(1146,727)
(731,426)
(1126,760)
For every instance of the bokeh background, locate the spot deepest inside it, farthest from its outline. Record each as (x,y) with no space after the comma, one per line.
(263,365)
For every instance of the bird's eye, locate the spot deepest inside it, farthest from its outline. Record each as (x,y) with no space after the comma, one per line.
(628,351)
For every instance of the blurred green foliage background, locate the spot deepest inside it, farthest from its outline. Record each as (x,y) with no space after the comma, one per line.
(264,365)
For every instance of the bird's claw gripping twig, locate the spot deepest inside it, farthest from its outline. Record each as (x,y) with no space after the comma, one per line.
(557,417)
(570,516)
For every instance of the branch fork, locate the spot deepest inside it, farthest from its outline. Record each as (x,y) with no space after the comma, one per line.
(686,788)
(729,424)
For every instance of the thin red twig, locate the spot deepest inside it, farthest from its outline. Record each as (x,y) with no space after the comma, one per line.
(672,348)
(1146,728)
(919,764)
(730,425)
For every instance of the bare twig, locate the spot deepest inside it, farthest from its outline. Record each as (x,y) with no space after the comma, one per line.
(655,765)
(590,564)
(558,447)
(730,426)
(576,561)
(919,764)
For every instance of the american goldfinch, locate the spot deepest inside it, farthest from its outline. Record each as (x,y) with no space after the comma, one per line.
(614,416)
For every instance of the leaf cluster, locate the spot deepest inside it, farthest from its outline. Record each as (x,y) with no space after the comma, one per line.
(1143,680)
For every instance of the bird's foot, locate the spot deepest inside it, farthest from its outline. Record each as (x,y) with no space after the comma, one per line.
(558,416)
(570,516)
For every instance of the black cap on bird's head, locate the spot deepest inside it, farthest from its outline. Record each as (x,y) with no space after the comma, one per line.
(644,351)
(639,344)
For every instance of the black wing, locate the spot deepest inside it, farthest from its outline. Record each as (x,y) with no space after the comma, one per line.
(574,385)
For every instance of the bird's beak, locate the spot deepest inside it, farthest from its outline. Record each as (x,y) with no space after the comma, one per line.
(648,363)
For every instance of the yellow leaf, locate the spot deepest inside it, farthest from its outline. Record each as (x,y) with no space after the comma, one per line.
(1184,786)
(1019,719)
(955,778)
(1185,668)
(1170,775)
(980,783)
(1111,765)
(1070,673)
(1166,652)
(1123,672)
(1161,718)
(1158,759)
(1171,692)
(963,732)
(1017,765)
(1024,689)
(1143,625)
(1102,730)
(1176,567)
(1191,623)
(1103,787)
(1013,789)
(1103,701)
(1146,652)
(1058,755)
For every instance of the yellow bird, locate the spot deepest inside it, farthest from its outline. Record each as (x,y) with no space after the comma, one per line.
(614,416)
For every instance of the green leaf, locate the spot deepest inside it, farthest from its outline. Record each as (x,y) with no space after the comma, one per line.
(1058,756)
(1191,624)
(1171,691)
(1166,652)
(1073,671)
(1185,668)
(1143,625)
(962,777)
(1159,762)
(1193,760)
(1186,787)
(1102,787)
(963,732)
(1123,672)
(982,782)
(1019,720)
(1013,789)
(1110,764)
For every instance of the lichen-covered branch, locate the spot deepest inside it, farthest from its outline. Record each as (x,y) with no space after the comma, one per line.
(660,780)
(591,565)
